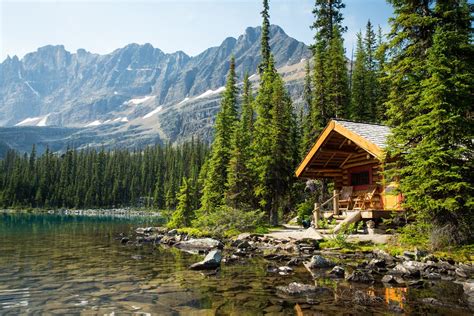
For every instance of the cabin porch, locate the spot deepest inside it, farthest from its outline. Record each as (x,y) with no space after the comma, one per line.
(350,156)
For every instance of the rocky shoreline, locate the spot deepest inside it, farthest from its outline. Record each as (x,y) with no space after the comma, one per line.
(411,269)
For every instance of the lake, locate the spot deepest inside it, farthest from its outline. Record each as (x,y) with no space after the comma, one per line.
(58,264)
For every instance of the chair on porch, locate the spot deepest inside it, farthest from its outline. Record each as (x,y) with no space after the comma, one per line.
(365,198)
(345,198)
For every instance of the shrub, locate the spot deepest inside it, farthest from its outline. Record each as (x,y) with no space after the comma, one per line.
(340,238)
(225,220)
(305,211)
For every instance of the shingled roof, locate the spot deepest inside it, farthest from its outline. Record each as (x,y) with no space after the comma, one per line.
(374,133)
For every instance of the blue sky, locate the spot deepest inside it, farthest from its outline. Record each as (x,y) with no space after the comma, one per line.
(187,25)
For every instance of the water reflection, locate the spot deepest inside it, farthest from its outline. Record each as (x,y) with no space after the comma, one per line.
(73,264)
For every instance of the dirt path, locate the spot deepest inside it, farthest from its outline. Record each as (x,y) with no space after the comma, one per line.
(295,233)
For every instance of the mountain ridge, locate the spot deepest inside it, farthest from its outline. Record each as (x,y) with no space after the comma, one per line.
(138,86)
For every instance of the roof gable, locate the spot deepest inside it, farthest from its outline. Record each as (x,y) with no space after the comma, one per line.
(370,137)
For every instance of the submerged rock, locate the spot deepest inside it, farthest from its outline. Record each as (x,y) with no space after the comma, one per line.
(360,277)
(364,299)
(211,261)
(199,244)
(295,288)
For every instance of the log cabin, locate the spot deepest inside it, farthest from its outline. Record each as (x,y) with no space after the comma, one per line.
(351,155)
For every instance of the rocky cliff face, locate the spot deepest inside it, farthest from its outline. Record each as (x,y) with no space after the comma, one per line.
(137,87)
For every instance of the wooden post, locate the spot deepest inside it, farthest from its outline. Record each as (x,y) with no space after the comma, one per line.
(336,202)
(316,214)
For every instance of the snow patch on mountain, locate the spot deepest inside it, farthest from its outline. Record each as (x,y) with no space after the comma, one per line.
(29,121)
(43,121)
(210,92)
(158,109)
(138,101)
(95,123)
(184,101)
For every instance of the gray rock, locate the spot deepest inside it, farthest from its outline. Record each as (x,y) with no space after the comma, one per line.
(244,244)
(411,269)
(380,254)
(417,283)
(388,278)
(211,261)
(124,240)
(172,232)
(337,272)
(360,276)
(293,262)
(364,299)
(376,263)
(318,262)
(461,273)
(432,276)
(285,269)
(295,288)
(199,244)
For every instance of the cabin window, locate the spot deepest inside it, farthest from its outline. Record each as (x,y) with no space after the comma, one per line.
(360,178)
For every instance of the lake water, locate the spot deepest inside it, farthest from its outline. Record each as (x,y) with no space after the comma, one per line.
(58,264)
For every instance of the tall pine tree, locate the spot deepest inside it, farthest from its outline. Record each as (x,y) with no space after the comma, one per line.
(239,192)
(359,109)
(430,107)
(217,173)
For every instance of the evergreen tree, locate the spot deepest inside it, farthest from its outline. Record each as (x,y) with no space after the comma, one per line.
(310,125)
(370,46)
(216,178)
(184,213)
(284,149)
(430,107)
(239,193)
(265,50)
(330,77)
(337,80)
(382,84)
(328,17)
(359,95)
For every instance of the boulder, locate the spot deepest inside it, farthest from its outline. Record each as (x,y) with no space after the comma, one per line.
(318,262)
(199,244)
(124,240)
(360,276)
(211,261)
(410,269)
(380,254)
(392,279)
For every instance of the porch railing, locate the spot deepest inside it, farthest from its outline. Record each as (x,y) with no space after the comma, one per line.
(318,207)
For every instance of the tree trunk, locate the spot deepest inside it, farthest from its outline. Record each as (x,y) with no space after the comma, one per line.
(274,212)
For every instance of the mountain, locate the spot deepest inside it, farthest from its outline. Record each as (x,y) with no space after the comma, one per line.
(136,94)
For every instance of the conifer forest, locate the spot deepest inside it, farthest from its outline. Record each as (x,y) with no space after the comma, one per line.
(418,79)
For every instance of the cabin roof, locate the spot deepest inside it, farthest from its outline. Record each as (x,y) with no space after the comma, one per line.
(374,133)
(366,137)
